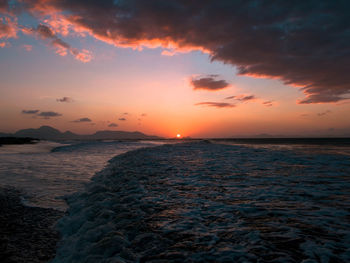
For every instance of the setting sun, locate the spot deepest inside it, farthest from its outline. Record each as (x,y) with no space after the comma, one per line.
(178,135)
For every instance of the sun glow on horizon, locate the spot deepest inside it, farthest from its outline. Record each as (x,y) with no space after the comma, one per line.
(178,135)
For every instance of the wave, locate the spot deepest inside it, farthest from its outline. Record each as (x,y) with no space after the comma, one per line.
(200,202)
(95,145)
(39,147)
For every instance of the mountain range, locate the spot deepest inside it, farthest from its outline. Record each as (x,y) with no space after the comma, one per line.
(49,133)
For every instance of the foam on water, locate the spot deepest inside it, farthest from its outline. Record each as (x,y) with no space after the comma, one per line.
(200,202)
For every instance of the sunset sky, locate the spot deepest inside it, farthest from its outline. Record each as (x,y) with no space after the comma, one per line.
(198,68)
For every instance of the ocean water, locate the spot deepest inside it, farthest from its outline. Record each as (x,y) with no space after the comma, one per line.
(209,202)
(48,171)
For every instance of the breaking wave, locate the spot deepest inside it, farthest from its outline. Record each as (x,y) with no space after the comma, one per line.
(202,202)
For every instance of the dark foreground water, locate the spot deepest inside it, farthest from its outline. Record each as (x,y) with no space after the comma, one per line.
(204,202)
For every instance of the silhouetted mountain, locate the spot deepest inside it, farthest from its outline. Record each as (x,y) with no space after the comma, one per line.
(49,133)
(109,135)
(44,132)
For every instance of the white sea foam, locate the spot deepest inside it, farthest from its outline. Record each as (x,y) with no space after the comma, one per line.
(200,202)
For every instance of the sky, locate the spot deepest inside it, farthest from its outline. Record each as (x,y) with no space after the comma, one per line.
(195,68)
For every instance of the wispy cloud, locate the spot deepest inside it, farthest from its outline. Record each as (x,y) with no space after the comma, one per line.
(28,47)
(30,111)
(323,113)
(49,114)
(268,103)
(82,120)
(245,98)
(216,104)
(242,98)
(65,99)
(112,125)
(62,47)
(122,119)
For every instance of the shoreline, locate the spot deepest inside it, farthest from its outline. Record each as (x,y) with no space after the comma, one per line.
(27,233)
(9,140)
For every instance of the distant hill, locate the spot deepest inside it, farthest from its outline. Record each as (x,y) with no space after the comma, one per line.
(49,133)
(44,132)
(106,135)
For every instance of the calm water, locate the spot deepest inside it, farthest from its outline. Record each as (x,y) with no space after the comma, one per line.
(47,171)
(45,176)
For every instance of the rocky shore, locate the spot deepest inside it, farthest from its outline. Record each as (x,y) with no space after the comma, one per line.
(27,234)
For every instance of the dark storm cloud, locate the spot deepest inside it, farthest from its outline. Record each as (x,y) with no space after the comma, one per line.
(82,120)
(209,83)
(122,119)
(65,99)
(216,104)
(302,43)
(112,125)
(30,111)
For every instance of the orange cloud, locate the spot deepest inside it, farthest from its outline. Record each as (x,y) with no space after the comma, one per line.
(28,47)
(61,47)
(8,27)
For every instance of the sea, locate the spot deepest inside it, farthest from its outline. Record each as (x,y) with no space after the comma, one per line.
(48,171)
(223,200)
